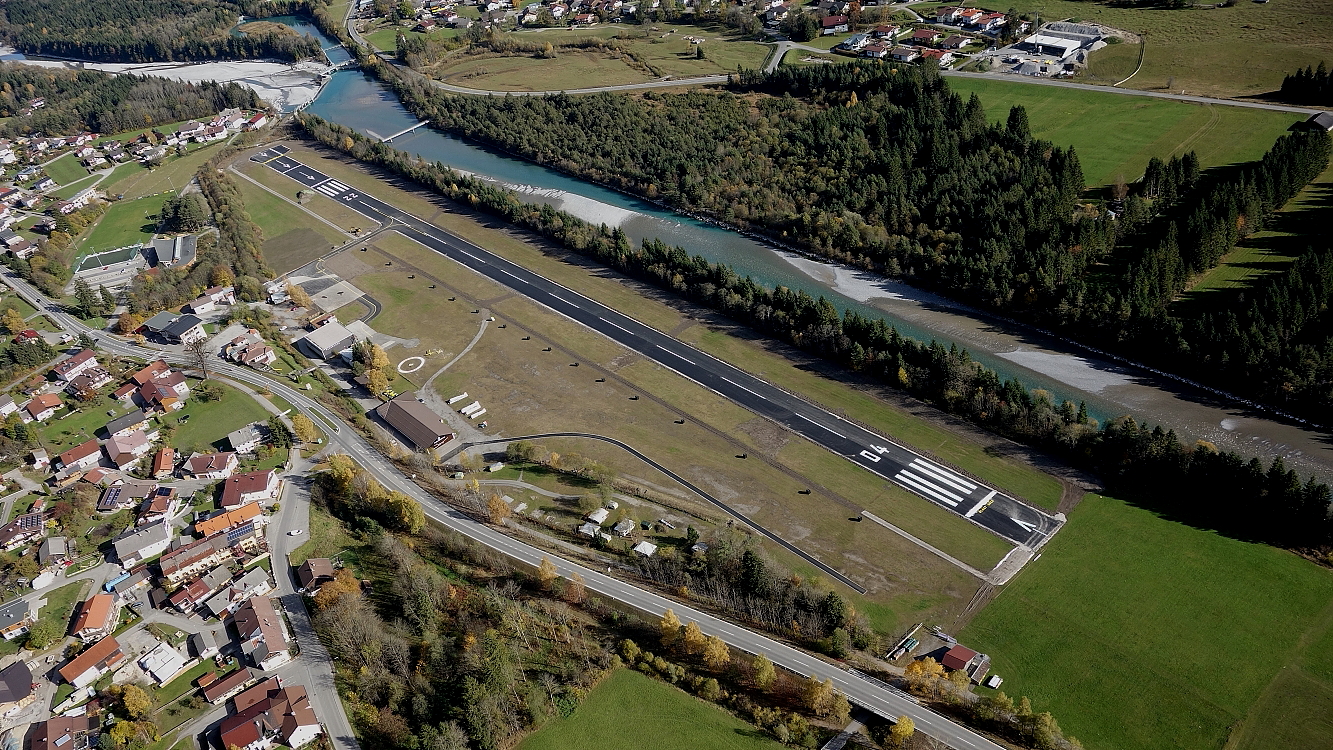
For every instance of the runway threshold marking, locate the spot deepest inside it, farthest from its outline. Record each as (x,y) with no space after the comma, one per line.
(983,502)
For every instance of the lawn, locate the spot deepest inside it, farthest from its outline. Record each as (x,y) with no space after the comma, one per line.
(129,222)
(327,537)
(210,421)
(627,708)
(60,603)
(75,427)
(292,237)
(122,173)
(172,176)
(1243,50)
(69,191)
(1140,633)
(1115,135)
(65,170)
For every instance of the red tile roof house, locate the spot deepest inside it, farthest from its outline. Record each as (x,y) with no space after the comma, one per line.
(82,456)
(164,463)
(72,367)
(88,382)
(251,487)
(164,394)
(95,661)
(221,690)
(126,450)
(150,373)
(262,634)
(41,408)
(97,618)
(269,714)
(834,25)
(209,466)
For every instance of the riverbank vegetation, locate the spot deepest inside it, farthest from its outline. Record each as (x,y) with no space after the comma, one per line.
(887,169)
(88,100)
(136,31)
(1196,484)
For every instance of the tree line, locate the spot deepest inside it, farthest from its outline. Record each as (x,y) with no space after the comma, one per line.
(1152,466)
(885,168)
(1309,86)
(82,100)
(141,31)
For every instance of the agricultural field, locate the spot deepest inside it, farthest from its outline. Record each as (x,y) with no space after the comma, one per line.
(628,707)
(1115,135)
(128,222)
(1139,633)
(653,53)
(1242,50)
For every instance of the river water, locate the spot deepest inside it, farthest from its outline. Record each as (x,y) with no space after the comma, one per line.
(1109,388)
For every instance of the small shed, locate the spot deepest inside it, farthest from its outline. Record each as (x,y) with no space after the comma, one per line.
(647,549)
(625,527)
(598,516)
(589,530)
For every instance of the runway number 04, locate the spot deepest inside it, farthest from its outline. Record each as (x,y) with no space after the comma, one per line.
(871,456)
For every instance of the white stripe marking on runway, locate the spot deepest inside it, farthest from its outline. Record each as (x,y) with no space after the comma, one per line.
(813,422)
(743,388)
(922,485)
(980,504)
(943,475)
(677,356)
(626,330)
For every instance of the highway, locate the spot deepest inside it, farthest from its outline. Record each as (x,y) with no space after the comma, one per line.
(860,691)
(946,487)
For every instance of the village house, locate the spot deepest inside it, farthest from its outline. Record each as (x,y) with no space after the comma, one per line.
(925,37)
(231,596)
(164,463)
(256,122)
(163,663)
(54,549)
(164,394)
(208,466)
(270,714)
(904,54)
(85,455)
(186,562)
(940,56)
(135,421)
(16,617)
(142,543)
(7,405)
(315,572)
(162,505)
(834,25)
(64,733)
(189,597)
(250,487)
(93,662)
(22,530)
(228,519)
(41,408)
(96,618)
(212,299)
(246,439)
(262,633)
(219,691)
(85,385)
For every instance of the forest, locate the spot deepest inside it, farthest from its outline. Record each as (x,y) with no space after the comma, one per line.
(88,100)
(1197,484)
(887,169)
(135,31)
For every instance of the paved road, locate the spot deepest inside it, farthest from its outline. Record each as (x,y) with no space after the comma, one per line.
(944,486)
(1130,92)
(874,697)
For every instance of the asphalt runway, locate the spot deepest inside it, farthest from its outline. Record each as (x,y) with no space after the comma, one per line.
(942,485)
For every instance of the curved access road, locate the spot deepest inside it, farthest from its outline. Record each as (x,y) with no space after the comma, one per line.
(693,488)
(872,696)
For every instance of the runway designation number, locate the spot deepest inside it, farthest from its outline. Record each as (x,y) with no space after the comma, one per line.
(878,449)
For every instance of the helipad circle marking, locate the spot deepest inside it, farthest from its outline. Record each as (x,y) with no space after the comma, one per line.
(418,363)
